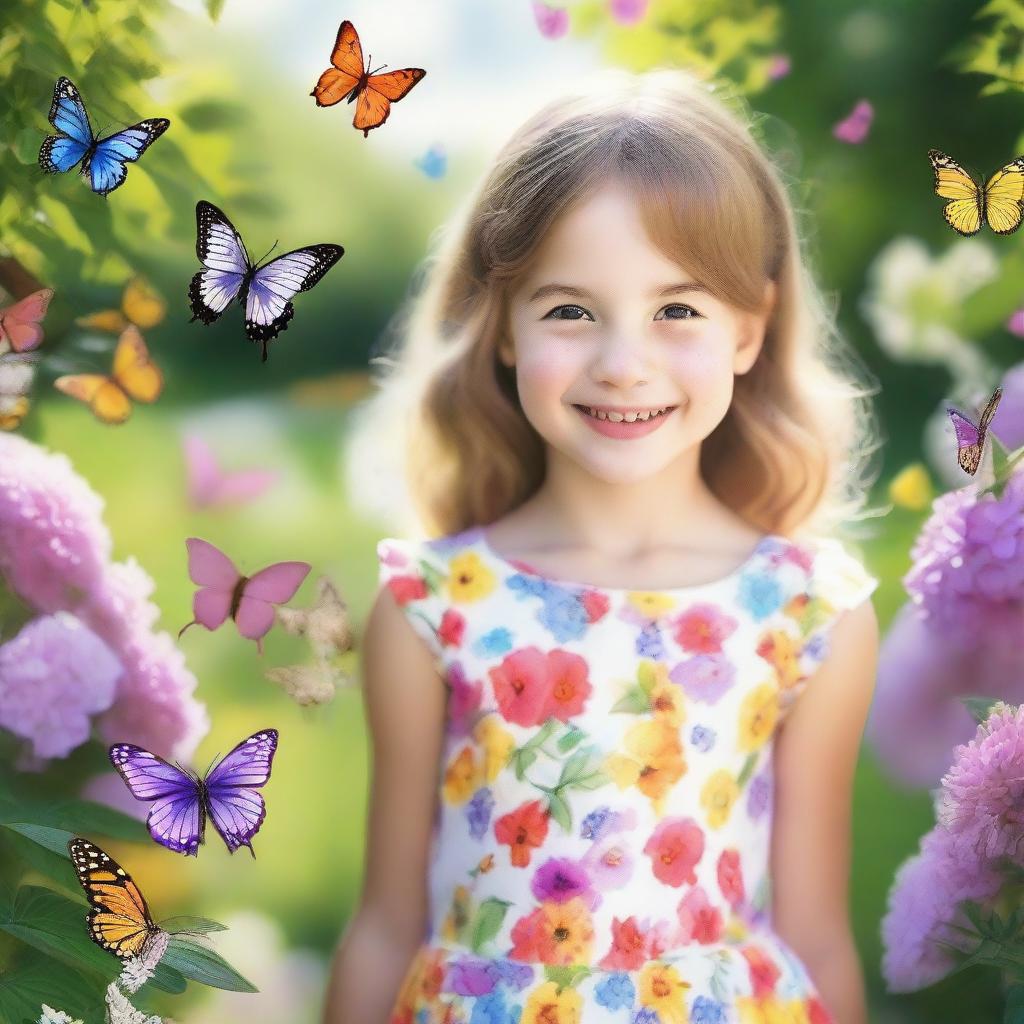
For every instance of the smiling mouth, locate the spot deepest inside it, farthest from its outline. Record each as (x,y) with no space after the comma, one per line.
(629,417)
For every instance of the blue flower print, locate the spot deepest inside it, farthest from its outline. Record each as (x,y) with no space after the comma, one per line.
(760,594)
(491,1009)
(649,643)
(478,811)
(495,642)
(564,615)
(616,991)
(817,648)
(707,1011)
(702,738)
(592,826)
(515,975)
(646,1016)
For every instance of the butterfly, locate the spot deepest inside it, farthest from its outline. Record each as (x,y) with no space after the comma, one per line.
(999,202)
(227,793)
(266,290)
(375,93)
(104,161)
(248,600)
(134,376)
(970,439)
(209,485)
(19,323)
(141,304)
(119,919)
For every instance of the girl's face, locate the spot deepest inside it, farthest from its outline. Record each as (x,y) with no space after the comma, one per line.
(604,320)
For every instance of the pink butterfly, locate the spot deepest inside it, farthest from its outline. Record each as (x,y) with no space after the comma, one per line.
(19,324)
(209,485)
(628,12)
(248,600)
(553,22)
(854,128)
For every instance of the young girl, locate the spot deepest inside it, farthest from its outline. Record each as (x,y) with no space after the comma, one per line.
(613,784)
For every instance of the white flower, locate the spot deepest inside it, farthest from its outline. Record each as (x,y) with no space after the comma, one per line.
(139,969)
(120,1011)
(913,300)
(52,1016)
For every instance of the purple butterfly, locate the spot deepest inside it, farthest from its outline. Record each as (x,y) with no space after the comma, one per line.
(266,290)
(177,819)
(970,439)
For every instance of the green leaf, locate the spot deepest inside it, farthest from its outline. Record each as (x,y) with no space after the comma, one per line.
(635,702)
(26,146)
(211,115)
(78,816)
(559,810)
(202,925)
(487,922)
(37,979)
(1014,1005)
(214,7)
(54,839)
(204,965)
(979,707)
(566,976)
(13,845)
(570,739)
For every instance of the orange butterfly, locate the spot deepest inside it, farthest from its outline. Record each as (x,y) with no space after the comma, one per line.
(135,375)
(349,77)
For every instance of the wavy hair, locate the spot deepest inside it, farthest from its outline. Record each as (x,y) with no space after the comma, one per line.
(791,454)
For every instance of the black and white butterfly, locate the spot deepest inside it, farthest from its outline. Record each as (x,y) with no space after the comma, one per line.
(266,290)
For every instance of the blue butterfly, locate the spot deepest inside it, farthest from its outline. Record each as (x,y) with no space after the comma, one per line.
(104,161)
(265,290)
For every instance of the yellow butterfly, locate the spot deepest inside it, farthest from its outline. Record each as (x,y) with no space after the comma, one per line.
(141,304)
(119,919)
(999,202)
(135,376)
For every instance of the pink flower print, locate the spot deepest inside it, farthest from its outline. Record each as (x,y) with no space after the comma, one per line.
(730,877)
(629,946)
(569,687)
(699,920)
(628,12)
(609,863)
(553,22)
(407,588)
(463,700)
(561,879)
(451,628)
(763,971)
(522,686)
(675,847)
(702,629)
(595,604)
(705,677)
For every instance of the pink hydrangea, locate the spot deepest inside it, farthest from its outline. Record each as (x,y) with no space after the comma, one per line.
(54,675)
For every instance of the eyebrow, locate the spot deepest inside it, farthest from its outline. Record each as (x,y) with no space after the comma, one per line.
(567,289)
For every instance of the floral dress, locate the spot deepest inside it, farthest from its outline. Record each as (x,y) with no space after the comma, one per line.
(600,847)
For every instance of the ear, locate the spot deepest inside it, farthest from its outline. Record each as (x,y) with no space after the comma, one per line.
(753,327)
(506,352)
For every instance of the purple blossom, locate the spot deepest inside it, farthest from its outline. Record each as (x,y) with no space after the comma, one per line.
(478,812)
(705,677)
(1008,422)
(471,976)
(54,675)
(559,880)
(702,737)
(759,795)
(609,862)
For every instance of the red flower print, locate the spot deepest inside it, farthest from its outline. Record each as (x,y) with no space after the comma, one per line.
(463,700)
(629,947)
(699,919)
(702,628)
(816,1012)
(730,877)
(595,604)
(763,971)
(675,847)
(407,588)
(453,625)
(570,687)
(523,830)
(528,937)
(522,685)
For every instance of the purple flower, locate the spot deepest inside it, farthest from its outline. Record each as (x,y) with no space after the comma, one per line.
(54,675)
(513,974)
(982,803)
(559,880)
(705,677)
(1008,422)
(609,862)
(759,795)
(478,812)
(471,976)
(702,738)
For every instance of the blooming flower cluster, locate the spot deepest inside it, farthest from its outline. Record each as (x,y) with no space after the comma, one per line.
(100,656)
(979,822)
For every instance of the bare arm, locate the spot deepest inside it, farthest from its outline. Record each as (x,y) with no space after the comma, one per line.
(405,707)
(815,758)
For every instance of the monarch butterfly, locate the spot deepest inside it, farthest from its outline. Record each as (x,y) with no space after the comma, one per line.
(134,376)
(970,439)
(348,77)
(998,202)
(119,919)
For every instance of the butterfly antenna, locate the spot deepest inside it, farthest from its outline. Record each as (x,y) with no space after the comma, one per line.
(266,254)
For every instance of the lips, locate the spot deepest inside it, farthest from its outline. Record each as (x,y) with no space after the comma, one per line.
(622,428)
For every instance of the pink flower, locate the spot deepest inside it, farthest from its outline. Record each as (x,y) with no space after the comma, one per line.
(699,919)
(854,128)
(628,12)
(54,675)
(779,67)
(675,847)
(553,22)
(703,628)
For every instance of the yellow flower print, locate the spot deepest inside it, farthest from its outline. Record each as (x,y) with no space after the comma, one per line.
(546,1005)
(660,986)
(462,777)
(780,650)
(458,914)
(653,759)
(497,744)
(468,578)
(667,699)
(758,715)
(567,932)
(772,1010)
(720,792)
(651,604)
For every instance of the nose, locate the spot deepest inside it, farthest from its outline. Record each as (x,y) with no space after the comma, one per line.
(619,361)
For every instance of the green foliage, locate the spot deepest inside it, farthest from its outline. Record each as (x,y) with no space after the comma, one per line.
(998,51)
(202,964)
(38,979)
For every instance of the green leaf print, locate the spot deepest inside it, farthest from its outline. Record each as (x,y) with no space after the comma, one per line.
(521,760)
(487,922)
(634,702)
(647,676)
(566,976)
(570,738)
(559,810)
(748,768)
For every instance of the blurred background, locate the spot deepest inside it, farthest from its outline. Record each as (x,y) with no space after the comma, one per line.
(930,314)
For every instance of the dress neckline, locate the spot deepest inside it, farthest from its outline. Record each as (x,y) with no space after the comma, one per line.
(525,569)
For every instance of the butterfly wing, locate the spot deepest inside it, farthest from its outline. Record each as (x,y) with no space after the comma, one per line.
(142,304)
(952,182)
(108,165)
(19,323)
(119,919)
(374,103)
(273,585)
(177,818)
(237,811)
(968,439)
(134,370)
(1004,196)
(225,263)
(990,410)
(216,576)
(268,305)
(67,114)
(347,57)
(104,397)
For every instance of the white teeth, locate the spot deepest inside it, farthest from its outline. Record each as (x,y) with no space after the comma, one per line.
(629,417)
